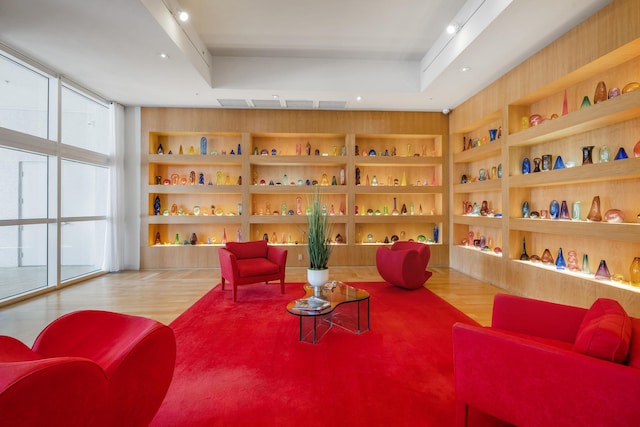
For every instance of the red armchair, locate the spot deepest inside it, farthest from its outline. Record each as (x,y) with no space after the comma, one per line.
(404,264)
(547,364)
(251,262)
(87,368)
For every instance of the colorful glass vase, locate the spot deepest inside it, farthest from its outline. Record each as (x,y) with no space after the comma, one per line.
(594,213)
(603,271)
(634,272)
(524,256)
(526,166)
(621,154)
(560,262)
(587,154)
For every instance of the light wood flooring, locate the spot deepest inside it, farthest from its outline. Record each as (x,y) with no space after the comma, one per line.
(164,294)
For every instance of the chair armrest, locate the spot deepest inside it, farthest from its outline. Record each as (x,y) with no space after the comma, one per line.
(277,255)
(534,317)
(228,264)
(529,383)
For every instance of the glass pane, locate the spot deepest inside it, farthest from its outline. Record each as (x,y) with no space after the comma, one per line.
(24,97)
(83,248)
(85,122)
(85,189)
(23,193)
(23,259)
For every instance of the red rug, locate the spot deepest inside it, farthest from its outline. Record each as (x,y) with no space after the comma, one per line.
(242,364)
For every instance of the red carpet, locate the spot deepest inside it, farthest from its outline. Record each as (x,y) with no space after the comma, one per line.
(242,364)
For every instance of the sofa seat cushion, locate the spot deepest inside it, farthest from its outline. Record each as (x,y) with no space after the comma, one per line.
(246,250)
(605,332)
(256,267)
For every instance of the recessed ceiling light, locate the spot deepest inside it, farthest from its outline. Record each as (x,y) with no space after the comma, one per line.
(358,98)
(465,68)
(184,16)
(163,55)
(275,96)
(452,28)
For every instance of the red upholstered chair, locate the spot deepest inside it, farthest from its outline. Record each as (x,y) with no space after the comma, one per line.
(243,263)
(404,264)
(547,364)
(87,368)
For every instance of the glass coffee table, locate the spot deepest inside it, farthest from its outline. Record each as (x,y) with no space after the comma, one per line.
(339,304)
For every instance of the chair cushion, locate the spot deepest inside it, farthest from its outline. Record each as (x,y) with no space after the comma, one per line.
(245,250)
(605,331)
(256,267)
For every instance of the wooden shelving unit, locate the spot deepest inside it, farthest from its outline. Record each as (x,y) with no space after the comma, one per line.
(613,123)
(271,174)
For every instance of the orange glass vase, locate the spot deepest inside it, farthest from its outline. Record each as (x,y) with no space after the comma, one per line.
(634,272)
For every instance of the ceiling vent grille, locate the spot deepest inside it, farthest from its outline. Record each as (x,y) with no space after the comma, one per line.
(233,103)
(266,103)
(299,104)
(332,105)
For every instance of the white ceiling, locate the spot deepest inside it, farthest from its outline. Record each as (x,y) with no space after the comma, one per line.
(395,54)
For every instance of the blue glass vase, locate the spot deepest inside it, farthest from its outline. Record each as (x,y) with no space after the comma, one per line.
(560,263)
(554,209)
(526,166)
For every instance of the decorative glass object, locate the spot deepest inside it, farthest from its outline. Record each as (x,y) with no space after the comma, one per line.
(156,206)
(603,271)
(560,262)
(594,213)
(585,264)
(634,272)
(177,240)
(572,261)
(525,209)
(585,102)
(636,149)
(614,216)
(482,174)
(546,257)
(576,208)
(526,166)
(523,255)
(546,162)
(500,170)
(603,154)
(613,92)
(587,154)
(564,210)
(160,150)
(493,133)
(536,164)
(621,154)
(554,209)
(194,239)
(565,105)
(436,233)
(559,163)
(600,93)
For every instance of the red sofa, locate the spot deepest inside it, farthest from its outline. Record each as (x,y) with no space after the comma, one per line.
(404,264)
(87,368)
(546,364)
(243,263)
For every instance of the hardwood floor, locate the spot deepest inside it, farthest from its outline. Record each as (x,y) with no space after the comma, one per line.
(164,294)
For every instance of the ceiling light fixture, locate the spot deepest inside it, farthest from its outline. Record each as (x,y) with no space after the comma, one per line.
(453,28)
(184,16)
(358,98)
(163,55)
(465,68)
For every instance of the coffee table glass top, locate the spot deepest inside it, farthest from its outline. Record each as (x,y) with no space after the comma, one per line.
(333,294)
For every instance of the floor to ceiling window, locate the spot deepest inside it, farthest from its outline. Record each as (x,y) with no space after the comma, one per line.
(56,146)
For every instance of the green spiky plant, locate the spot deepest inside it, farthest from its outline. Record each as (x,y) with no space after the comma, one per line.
(319,234)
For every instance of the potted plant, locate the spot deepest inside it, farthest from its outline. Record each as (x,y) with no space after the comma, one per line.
(318,241)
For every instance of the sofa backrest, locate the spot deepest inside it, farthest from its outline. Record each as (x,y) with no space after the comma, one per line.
(244,250)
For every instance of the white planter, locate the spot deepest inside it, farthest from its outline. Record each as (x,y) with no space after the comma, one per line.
(317,277)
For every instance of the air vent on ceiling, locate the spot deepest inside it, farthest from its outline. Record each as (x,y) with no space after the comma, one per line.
(299,104)
(233,103)
(266,103)
(332,105)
